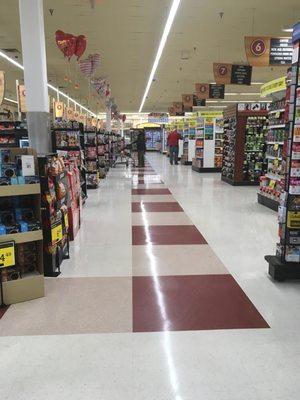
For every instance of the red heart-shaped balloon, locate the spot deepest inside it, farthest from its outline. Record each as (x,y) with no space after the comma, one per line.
(80,46)
(66,43)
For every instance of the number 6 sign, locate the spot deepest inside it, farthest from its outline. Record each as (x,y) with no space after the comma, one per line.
(258,47)
(258,50)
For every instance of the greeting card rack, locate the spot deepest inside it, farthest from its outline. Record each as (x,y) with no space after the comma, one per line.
(286,263)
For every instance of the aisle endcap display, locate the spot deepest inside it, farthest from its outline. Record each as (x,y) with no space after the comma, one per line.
(272,183)
(21,238)
(285,264)
(243,149)
(209,142)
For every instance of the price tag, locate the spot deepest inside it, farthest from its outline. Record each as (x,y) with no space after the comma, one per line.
(7,254)
(272,184)
(66,219)
(276,146)
(56,233)
(277,115)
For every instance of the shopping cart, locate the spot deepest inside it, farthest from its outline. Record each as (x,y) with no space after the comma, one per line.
(125,157)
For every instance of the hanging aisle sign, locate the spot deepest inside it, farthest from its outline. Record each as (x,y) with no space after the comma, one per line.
(232,74)
(265,51)
(82,118)
(277,85)
(2,86)
(206,91)
(158,118)
(76,116)
(188,102)
(210,114)
(178,108)
(58,109)
(70,113)
(22,98)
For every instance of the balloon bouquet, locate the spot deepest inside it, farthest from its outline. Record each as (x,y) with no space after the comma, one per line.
(70,45)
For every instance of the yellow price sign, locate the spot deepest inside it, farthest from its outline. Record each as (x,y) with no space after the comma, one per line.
(276,146)
(272,184)
(66,219)
(7,254)
(56,233)
(293,220)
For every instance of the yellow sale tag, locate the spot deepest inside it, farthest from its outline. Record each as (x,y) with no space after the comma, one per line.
(7,254)
(276,146)
(56,234)
(66,220)
(293,220)
(272,184)
(276,162)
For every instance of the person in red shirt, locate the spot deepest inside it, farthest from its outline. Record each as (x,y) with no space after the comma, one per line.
(173,143)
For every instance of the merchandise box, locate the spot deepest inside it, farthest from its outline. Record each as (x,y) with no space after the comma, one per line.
(74,222)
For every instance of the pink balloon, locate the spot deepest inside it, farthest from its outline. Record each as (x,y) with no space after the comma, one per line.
(85,67)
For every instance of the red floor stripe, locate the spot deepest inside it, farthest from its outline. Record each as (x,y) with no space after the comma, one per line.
(156,207)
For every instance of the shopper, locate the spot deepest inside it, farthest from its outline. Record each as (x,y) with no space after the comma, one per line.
(173,143)
(141,148)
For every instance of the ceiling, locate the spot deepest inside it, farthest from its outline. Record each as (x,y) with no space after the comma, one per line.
(127,33)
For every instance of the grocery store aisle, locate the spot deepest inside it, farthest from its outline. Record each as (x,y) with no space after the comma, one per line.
(78,342)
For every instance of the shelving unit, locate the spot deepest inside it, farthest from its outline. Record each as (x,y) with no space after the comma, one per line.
(12,133)
(24,279)
(55,205)
(209,143)
(68,141)
(91,157)
(244,159)
(272,183)
(286,263)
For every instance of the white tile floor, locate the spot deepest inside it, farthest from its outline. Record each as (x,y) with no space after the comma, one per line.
(209,365)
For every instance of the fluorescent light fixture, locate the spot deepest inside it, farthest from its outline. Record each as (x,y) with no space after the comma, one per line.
(161,47)
(250,94)
(257,83)
(287,29)
(12,101)
(20,66)
(237,101)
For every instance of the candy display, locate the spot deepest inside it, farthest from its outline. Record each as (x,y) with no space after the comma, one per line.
(55,203)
